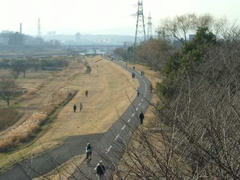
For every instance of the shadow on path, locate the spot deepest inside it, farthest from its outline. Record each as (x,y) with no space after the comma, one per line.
(49,160)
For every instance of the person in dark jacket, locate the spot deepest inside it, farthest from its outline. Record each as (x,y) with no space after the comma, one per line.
(88,151)
(86,93)
(141,117)
(150,87)
(133,75)
(74,108)
(100,169)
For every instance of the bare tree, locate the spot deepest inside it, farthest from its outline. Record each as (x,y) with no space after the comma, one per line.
(8,89)
(19,66)
(181,26)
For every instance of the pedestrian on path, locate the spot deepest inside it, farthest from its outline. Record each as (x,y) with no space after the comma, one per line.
(150,87)
(141,117)
(138,92)
(80,107)
(133,75)
(74,108)
(88,151)
(86,93)
(100,169)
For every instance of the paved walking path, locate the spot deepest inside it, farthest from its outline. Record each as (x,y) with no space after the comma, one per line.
(112,145)
(108,147)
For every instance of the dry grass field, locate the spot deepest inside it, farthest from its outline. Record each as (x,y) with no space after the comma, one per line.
(109,87)
(36,106)
(8,117)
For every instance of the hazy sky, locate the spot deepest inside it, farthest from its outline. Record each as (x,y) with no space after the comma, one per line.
(101,16)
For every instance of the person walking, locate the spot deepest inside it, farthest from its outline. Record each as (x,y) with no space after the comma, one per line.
(74,108)
(100,170)
(86,93)
(88,151)
(80,107)
(141,117)
(138,92)
(133,75)
(150,87)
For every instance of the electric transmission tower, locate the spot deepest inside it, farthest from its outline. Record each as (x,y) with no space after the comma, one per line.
(140,34)
(39,28)
(149,29)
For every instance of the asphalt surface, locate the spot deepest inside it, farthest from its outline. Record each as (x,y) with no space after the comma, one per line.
(108,147)
(113,144)
(49,160)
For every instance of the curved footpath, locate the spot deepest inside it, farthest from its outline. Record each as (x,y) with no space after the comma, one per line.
(108,147)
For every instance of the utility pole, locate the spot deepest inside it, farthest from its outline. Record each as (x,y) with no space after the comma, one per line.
(39,28)
(149,29)
(140,34)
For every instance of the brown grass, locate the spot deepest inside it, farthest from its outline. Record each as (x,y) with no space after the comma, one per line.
(43,97)
(8,117)
(108,85)
(108,89)
(28,128)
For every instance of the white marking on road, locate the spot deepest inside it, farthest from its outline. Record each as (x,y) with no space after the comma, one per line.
(129,120)
(109,149)
(142,100)
(139,104)
(136,109)
(123,127)
(116,137)
(133,114)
